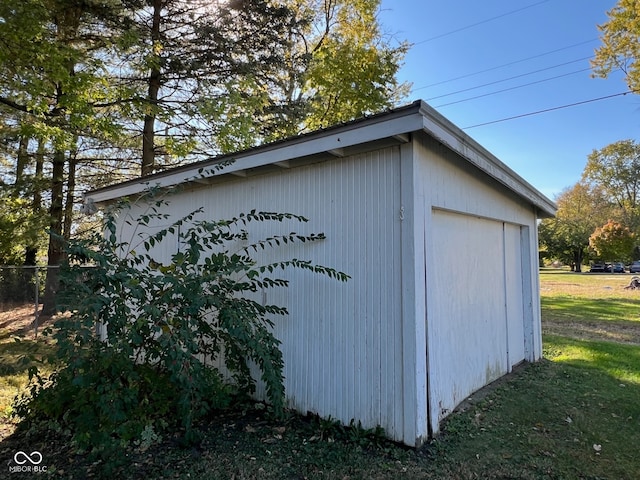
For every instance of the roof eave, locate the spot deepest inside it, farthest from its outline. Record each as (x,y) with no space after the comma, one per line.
(333,140)
(396,124)
(445,132)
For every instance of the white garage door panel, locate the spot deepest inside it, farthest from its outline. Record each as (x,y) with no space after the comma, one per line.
(513,288)
(467,327)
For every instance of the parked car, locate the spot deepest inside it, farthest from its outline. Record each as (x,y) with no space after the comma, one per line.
(597,268)
(618,267)
(635,267)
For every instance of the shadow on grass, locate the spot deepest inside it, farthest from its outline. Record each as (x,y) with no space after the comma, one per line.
(573,415)
(619,360)
(608,331)
(16,356)
(574,308)
(566,417)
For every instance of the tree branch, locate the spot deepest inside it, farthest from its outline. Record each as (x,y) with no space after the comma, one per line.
(14,105)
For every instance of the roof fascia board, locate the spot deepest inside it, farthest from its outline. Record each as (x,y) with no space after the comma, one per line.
(333,140)
(448,134)
(418,116)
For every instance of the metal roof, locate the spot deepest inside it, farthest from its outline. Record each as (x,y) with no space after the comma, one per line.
(376,131)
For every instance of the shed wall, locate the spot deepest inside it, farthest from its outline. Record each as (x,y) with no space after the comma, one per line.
(482,314)
(342,342)
(444,281)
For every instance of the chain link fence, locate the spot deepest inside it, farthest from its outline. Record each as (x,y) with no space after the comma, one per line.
(22,287)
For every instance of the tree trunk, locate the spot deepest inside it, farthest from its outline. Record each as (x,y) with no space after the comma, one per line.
(577,258)
(71,190)
(22,161)
(31,251)
(56,251)
(148,131)
(67,28)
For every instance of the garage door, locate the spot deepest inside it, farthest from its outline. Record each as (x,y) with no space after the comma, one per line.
(475,306)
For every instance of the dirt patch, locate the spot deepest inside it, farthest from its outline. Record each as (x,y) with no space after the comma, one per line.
(627,333)
(15,321)
(16,318)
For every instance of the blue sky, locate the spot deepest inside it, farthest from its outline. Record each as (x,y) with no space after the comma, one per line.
(459,38)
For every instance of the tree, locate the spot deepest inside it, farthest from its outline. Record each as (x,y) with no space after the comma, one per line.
(19,226)
(612,241)
(98,91)
(51,76)
(566,237)
(353,67)
(620,48)
(179,58)
(338,66)
(615,171)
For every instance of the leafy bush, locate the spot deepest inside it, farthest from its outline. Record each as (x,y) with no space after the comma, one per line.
(180,339)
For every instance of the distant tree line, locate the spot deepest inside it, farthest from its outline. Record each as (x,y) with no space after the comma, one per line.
(599,217)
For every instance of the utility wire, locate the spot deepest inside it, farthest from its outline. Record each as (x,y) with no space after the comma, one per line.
(509,78)
(513,88)
(479,23)
(548,110)
(505,65)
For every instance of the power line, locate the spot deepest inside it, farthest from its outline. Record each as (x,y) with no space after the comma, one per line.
(548,110)
(479,23)
(509,78)
(513,88)
(505,65)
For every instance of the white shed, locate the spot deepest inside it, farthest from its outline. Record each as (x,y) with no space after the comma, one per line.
(439,238)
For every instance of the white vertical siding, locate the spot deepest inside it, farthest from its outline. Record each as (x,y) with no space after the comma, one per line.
(531,293)
(467,320)
(513,285)
(342,342)
(443,296)
(481,290)
(479,321)
(414,325)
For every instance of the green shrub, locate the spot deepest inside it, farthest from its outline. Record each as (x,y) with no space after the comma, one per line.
(166,327)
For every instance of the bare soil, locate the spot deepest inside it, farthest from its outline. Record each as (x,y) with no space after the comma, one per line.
(619,332)
(16,320)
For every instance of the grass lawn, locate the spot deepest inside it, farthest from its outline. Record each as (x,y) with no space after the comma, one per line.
(574,415)
(590,306)
(15,359)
